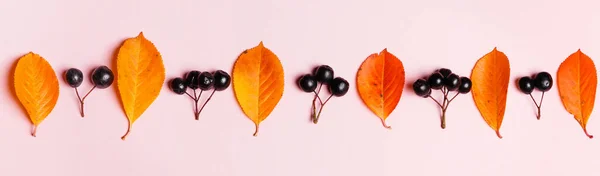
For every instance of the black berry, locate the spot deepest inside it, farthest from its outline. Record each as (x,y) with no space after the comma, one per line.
(452,82)
(339,87)
(222,80)
(206,81)
(436,81)
(307,83)
(102,77)
(74,77)
(543,81)
(421,88)
(525,85)
(192,80)
(465,85)
(323,74)
(445,72)
(178,86)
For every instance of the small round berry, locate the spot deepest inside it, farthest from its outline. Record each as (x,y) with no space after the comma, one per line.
(307,83)
(206,81)
(102,77)
(436,81)
(445,72)
(323,74)
(338,87)
(452,82)
(526,85)
(74,77)
(178,86)
(421,88)
(192,80)
(222,80)
(543,81)
(465,85)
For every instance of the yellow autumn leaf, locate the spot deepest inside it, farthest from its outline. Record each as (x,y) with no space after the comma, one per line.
(140,76)
(258,83)
(36,87)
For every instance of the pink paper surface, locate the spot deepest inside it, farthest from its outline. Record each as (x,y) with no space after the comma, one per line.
(349,140)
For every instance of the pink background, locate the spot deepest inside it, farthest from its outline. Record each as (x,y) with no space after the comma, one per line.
(349,140)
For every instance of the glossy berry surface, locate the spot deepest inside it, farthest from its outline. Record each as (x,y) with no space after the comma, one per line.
(436,81)
(192,80)
(543,81)
(323,74)
(465,85)
(452,82)
(74,77)
(178,86)
(222,80)
(102,77)
(421,88)
(526,85)
(307,83)
(339,87)
(205,81)
(445,72)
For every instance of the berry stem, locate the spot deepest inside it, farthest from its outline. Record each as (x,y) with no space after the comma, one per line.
(81,100)
(538,106)
(190,96)
(443,118)
(205,102)
(314,107)
(438,103)
(316,119)
(196,99)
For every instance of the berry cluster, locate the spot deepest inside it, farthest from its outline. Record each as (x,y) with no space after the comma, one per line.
(102,78)
(322,75)
(541,81)
(446,81)
(217,81)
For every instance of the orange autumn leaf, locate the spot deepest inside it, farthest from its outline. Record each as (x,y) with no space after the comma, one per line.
(258,83)
(36,87)
(577,81)
(490,77)
(140,76)
(380,82)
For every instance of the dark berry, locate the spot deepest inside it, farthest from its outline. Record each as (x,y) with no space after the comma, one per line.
(222,80)
(74,77)
(206,81)
(338,87)
(192,80)
(178,86)
(421,88)
(543,81)
(323,74)
(452,82)
(445,72)
(102,77)
(525,85)
(307,83)
(465,85)
(436,81)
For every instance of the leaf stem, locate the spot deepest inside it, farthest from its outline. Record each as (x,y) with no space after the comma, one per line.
(127,133)
(205,102)
(255,129)
(34,131)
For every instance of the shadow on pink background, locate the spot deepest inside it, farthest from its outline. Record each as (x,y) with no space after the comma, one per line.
(349,140)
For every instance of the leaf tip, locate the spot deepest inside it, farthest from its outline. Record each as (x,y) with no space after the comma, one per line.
(141,34)
(261,44)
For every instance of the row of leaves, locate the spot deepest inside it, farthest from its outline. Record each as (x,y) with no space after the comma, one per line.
(258,82)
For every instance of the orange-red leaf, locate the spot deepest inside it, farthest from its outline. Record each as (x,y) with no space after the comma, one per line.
(258,83)
(36,87)
(140,76)
(380,81)
(577,81)
(490,77)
